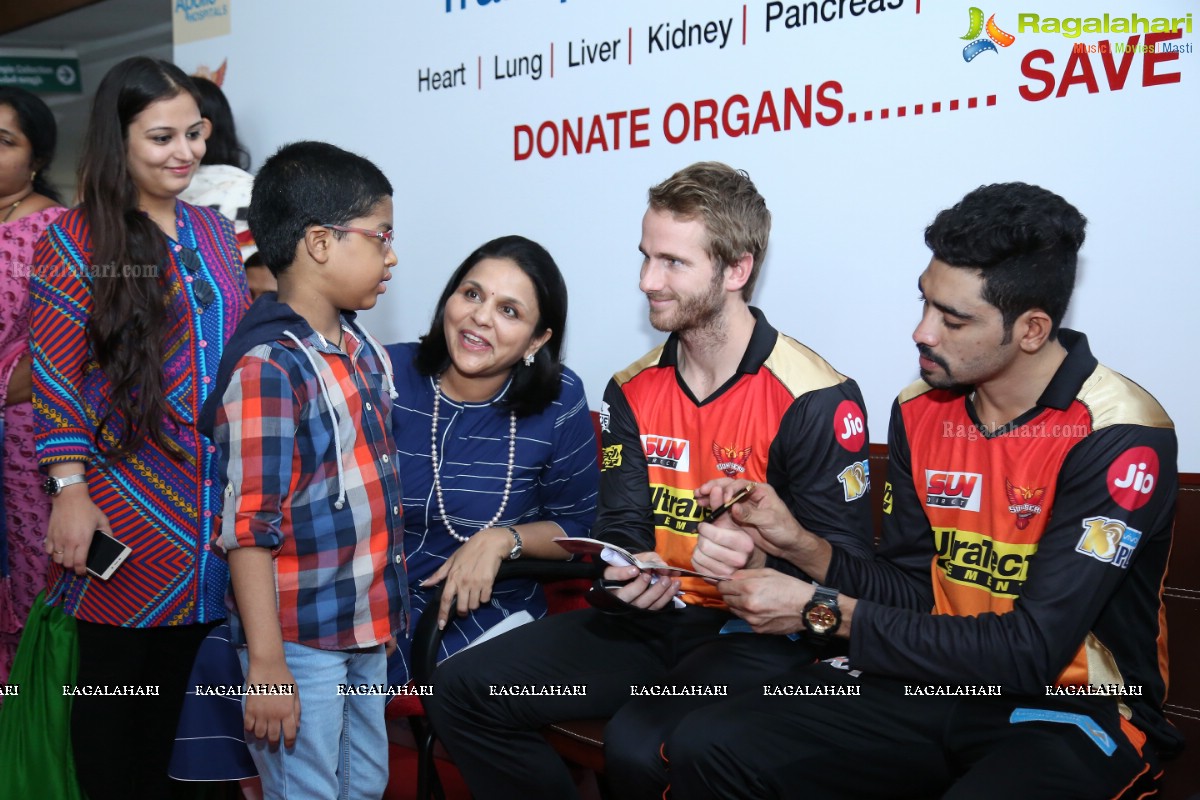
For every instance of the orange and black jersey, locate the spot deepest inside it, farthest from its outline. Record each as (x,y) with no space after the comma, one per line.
(1040,548)
(786,417)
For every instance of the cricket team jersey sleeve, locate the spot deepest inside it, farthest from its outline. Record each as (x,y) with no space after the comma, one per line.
(899,574)
(819,466)
(623,516)
(1046,543)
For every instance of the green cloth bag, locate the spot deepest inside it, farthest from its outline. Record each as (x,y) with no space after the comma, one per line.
(35,724)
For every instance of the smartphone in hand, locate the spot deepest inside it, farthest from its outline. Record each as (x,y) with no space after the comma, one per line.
(106,554)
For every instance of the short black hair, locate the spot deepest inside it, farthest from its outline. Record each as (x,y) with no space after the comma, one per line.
(222,145)
(305,184)
(37,123)
(533,387)
(1025,241)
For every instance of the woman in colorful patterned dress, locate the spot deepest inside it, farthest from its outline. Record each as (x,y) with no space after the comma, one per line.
(135,296)
(27,206)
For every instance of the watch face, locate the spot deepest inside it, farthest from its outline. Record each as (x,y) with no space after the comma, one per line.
(50,486)
(821,618)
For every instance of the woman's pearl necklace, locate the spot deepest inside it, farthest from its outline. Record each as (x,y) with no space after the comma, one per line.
(437,467)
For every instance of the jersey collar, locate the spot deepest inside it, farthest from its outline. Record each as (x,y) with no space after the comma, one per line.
(762,342)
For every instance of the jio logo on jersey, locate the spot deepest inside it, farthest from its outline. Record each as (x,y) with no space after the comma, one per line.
(849,426)
(1133,477)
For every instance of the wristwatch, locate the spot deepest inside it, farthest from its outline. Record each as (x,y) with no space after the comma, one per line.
(515,553)
(822,617)
(53,486)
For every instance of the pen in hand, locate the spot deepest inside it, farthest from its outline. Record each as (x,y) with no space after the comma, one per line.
(731,502)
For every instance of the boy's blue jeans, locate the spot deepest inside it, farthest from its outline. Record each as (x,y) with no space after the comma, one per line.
(341,748)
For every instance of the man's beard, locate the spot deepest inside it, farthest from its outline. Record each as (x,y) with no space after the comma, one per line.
(692,312)
(944,380)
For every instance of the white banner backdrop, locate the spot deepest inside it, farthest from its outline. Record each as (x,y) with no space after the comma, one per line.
(858,120)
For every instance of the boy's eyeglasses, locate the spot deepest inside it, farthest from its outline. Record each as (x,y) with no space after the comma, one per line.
(384,237)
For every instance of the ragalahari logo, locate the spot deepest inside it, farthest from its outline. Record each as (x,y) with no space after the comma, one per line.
(994,37)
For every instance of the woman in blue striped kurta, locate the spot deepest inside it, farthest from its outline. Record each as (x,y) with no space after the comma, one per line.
(133,296)
(508,462)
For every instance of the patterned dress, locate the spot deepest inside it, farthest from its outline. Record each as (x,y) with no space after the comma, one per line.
(161,506)
(26,511)
(555,478)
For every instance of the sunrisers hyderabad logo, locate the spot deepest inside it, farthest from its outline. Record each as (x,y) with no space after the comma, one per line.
(731,460)
(1132,477)
(849,427)
(1108,540)
(612,457)
(1025,503)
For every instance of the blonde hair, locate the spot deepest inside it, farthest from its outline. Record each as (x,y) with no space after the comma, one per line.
(734,214)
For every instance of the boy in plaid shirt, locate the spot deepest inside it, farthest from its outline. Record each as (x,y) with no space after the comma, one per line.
(312,524)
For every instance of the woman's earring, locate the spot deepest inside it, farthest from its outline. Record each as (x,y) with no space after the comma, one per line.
(529,359)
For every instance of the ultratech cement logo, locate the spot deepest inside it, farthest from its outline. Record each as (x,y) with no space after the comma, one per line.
(663,451)
(675,509)
(973,559)
(953,489)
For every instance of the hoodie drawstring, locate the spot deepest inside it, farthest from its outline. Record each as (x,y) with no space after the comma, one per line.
(383,359)
(337,434)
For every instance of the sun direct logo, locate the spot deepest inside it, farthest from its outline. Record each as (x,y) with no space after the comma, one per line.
(1133,476)
(953,489)
(849,426)
(995,36)
(663,451)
